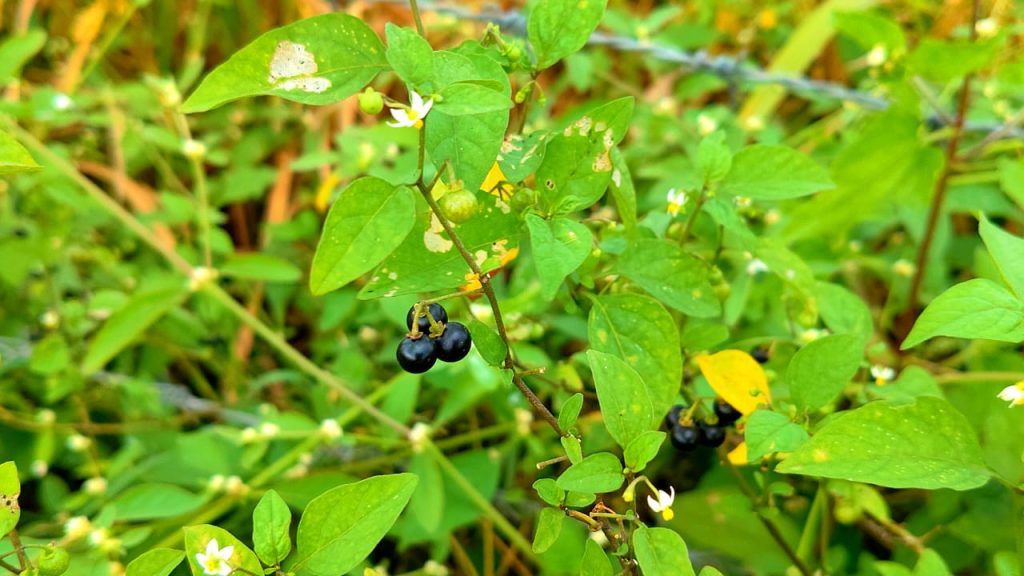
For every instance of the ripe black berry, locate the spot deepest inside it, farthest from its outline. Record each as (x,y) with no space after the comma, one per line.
(454,343)
(436,310)
(711,436)
(760,354)
(416,356)
(684,438)
(672,418)
(726,413)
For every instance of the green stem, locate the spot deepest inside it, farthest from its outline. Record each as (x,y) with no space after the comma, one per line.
(502,524)
(416,17)
(805,548)
(19,550)
(693,215)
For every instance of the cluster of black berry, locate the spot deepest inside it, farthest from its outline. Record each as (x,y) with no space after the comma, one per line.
(421,348)
(686,434)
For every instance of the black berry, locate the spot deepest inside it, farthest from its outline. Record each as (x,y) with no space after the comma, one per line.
(454,343)
(672,418)
(711,436)
(726,413)
(416,356)
(760,354)
(684,438)
(436,310)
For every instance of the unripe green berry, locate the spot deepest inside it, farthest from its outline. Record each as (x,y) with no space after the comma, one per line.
(53,562)
(459,205)
(370,101)
(513,52)
(523,198)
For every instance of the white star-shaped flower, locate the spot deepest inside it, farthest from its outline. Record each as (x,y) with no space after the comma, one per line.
(664,503)
(756,266)
(214,561)
(413,115)
(676,200)
(882,374)
(1013,394)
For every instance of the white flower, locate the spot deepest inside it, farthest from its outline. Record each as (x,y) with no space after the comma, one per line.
(199,276)
(877,56)
(882,374)
(904,268)
(413,115)
(676,200)
(78,443)
(95,486)
(234,486)
(706,124)
(49,319)
(987,27)
(1013,394)
(269,429)
(419,436)
(432,568)
(214,561)
(216,482)
(62,101)
(193,149)
(756,266)
(77,527)
(330,429)
(524,418)
(664,503)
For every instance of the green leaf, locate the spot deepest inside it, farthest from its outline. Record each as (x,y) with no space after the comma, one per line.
(925,444)
(714,158)
(642,449)
(409,54)
(197,537)
(470,143)
(549,491)
(767,432)
(640,331)
(595,562)
(945,60)
(130,322)
(13,157)
(820,370)
(1011,179)
(709,571)
(261,267)
(428,261)
(869,30)
(577,165)
(930,563)
(597,473)
(560,246)
(768,172)
(487,342)
(462,98)
(152,501)
(522,155)
(156,562)
(1007,251)
(573,448)
(661,552)
(18,49)
(367,222)
(427,503)
(558,28)
(340,528)
(50,355)
(549,527)
(10,489)
(884,169)
(977,308)
(271,525)
(843,311)
(671,275)
(320,60)
(623,190)
(570,411)
(626,404)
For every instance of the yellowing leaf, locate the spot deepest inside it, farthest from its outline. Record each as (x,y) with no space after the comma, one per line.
(496,183)
(738,455)
(737,378)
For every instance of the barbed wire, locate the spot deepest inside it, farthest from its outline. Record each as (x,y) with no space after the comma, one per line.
(728,67)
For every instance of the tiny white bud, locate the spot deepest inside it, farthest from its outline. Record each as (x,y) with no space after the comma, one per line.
(706,124)
(904,268)
(772,217)
(432,568)
(269,429)
(40,468)
(249,435)
(46,416)
(987,27)
(95,486)
(235,487)
(216,482)
(77,527)
(524,419)
(50,319)
(330,429)
(418,437)
(877,56)
(199,276)
(193,149)
(78,443)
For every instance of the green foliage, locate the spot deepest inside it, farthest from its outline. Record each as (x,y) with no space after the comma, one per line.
(557,28)
(819,371)
(13,156)
(661,552)
(10,489)
(923,444)
(271,529)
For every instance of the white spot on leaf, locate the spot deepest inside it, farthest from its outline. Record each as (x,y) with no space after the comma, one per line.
(293,67)
(432,238)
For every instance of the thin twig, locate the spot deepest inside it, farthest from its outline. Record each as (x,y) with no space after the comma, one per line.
(943,183)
